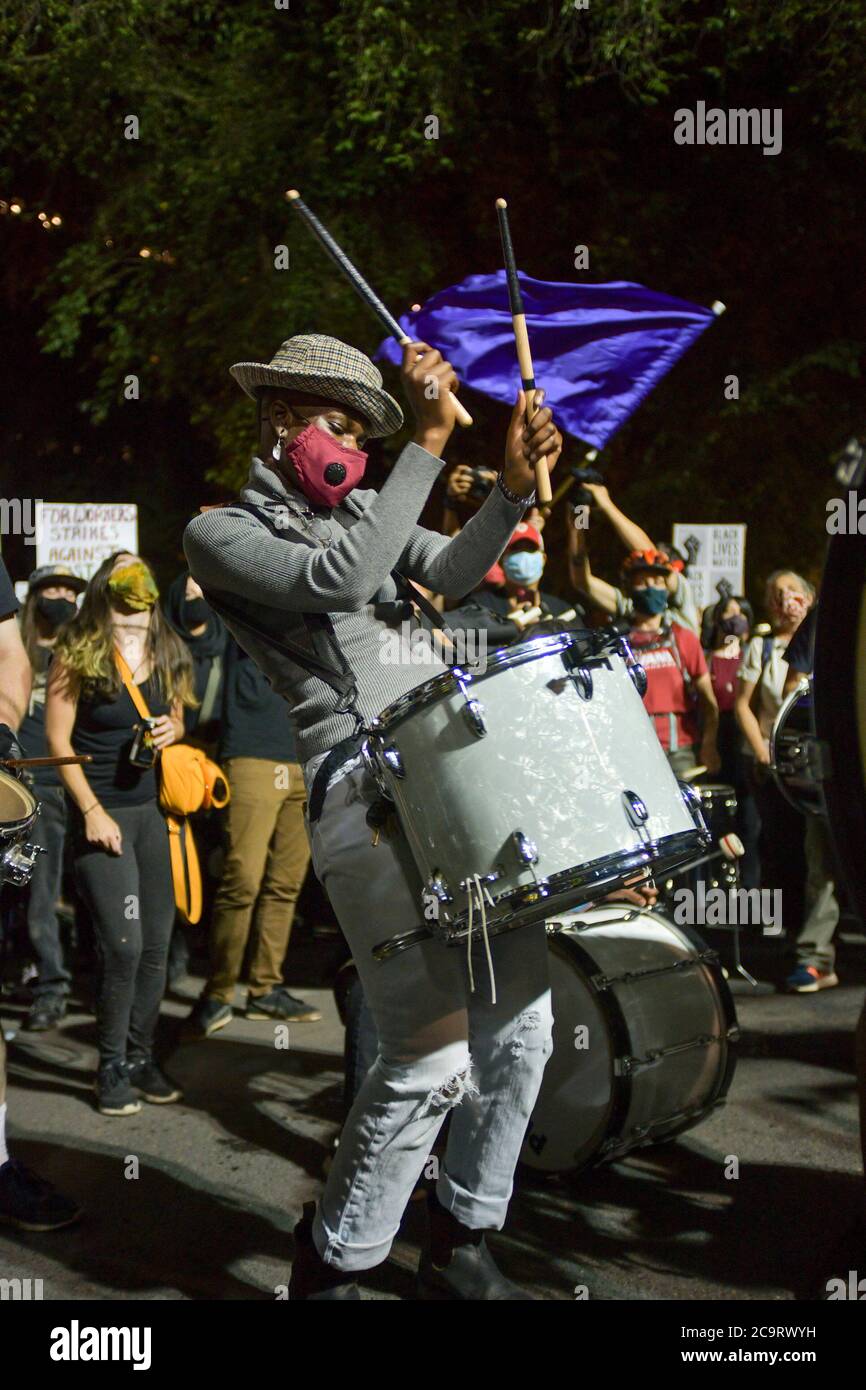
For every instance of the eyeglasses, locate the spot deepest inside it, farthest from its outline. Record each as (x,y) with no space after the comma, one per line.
(315,526)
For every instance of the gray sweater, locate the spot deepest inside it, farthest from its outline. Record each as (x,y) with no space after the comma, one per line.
(230,550)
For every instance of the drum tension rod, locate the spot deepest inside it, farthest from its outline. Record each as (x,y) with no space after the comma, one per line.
(602,982)
(627,1066)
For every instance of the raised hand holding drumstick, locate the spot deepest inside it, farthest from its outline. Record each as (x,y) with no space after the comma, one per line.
(367,294)
(524,356)
(428,381)
(530,446)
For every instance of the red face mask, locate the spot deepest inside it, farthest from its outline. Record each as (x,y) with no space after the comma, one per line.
(326,471)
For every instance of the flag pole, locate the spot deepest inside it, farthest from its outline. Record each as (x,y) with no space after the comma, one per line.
(521,341)
(360,286)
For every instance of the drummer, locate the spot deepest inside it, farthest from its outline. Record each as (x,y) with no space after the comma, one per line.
(315,556)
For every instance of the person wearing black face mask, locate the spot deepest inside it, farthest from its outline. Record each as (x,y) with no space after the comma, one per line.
(729,625)
(195,622)
(198,626)
(51,594)
(727,636)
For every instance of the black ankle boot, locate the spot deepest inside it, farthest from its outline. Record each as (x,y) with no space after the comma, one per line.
(311,1277)
(456,1263)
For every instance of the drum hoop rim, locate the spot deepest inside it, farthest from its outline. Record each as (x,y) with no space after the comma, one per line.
(611,1010)
(502,658)
(647,855)
(23,823)
(569,943)
(800,802)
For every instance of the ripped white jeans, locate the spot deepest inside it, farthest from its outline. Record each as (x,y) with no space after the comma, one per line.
(442,1048)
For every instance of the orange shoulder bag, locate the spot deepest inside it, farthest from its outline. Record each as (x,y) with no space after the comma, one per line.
(188,782)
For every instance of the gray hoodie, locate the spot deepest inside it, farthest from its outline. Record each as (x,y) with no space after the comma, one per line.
(230,550)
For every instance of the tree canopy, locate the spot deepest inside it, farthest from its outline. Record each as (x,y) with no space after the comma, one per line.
(163,266)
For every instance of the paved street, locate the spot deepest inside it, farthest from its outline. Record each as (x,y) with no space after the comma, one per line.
(222,1175)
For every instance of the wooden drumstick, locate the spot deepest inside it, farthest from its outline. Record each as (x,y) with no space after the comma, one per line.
(360,286)
(45,762)
(521,339)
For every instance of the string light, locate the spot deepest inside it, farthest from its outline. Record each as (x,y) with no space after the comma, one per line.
(17,205)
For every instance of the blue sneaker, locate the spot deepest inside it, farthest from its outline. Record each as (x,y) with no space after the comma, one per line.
(808,979)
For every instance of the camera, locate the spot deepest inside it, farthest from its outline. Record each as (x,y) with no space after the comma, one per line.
(142,752)
(480,486)
(581,475)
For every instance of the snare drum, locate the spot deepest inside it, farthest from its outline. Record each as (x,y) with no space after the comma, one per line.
(532,785)
(644,1037)
(18,812)
(798,760)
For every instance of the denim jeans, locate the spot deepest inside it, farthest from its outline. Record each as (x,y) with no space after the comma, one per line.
(442,1047)
(43,928)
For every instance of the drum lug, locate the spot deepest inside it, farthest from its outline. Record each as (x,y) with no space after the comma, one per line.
(392,760)
(635,809)
(436,887)
(527,850)
(473,711)
(695,809)
(372,766)
(581,678)
(482,878)
(625,1066)
(16,865)
(638,675)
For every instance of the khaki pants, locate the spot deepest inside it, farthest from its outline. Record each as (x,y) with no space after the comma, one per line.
(265,865)
(815,941)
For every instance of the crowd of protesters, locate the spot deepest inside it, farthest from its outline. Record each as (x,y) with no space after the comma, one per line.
(716,682)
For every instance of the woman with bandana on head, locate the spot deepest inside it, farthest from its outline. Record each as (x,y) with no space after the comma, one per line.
(51,597)
(119,838)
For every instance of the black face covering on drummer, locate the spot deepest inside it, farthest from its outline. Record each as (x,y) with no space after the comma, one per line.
(55,610)
(195,612)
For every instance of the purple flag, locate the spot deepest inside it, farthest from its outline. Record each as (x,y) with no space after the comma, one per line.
(597,350)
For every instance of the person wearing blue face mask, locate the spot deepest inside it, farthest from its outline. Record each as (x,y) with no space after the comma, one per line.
(679,693)
(521,599)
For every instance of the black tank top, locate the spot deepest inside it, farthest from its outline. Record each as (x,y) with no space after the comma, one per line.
(105,727)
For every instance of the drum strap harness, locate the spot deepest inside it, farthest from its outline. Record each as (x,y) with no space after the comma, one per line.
(323,658)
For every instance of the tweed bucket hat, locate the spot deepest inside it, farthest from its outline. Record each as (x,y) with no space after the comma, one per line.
(322,365)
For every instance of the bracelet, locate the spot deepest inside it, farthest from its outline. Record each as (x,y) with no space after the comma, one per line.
(514,498)
(90,808)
